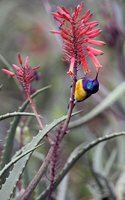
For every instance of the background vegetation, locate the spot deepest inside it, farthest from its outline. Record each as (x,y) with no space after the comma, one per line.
(24,28)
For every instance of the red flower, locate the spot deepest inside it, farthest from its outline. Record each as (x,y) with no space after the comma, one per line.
(24,74)
(77,34)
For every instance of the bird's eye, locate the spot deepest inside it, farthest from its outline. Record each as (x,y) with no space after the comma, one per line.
(89,85)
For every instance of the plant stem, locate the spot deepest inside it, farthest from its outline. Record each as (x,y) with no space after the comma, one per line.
(71,106)
(38,118)
(32,185)
(36,178)
(61,133)
(35,111)
(77,153)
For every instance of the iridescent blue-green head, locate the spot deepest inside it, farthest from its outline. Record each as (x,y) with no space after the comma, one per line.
(91,86)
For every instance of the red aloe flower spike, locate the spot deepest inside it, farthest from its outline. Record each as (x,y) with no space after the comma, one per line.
(65,31)
(94,34)
(86,14)
(78,10)
(27,62)
(24,74)
(96,52)
(20,59)
(95,60)
(15,66)
(65,10)
(57,15)
(35,68)
(84,31)
(85,64)
(87,18)
(71,68)
(78,33)
(59,20)
(8,72)
(96,42)
(91,23)
(64,14)
(55,32)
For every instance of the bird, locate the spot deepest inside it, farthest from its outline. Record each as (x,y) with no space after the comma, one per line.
(85,88)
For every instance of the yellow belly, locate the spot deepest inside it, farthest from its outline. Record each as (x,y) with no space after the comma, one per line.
(80,93)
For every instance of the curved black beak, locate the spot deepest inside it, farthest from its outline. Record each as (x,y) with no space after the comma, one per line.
(97,75)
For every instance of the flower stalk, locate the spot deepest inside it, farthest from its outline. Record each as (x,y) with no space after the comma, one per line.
(35,112)
(78,33)
(53,151)
(63,130)
(25,76)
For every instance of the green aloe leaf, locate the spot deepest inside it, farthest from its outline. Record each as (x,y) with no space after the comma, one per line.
(21,153)
(106,103)
(6,63)
(11,132)
(14,114)
(10,183)
(75,156)
(16,158)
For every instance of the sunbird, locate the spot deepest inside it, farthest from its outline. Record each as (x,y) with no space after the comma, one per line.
(85,88)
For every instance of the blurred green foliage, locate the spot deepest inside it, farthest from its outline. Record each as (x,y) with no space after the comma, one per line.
(24,28)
